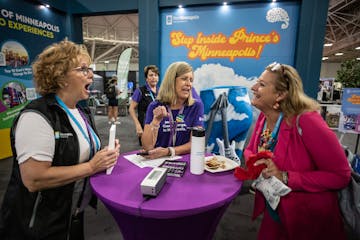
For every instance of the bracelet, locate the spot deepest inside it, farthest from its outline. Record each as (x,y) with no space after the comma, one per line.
(285,177)
(154,126)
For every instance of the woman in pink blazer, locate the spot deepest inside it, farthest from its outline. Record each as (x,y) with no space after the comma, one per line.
(307,157)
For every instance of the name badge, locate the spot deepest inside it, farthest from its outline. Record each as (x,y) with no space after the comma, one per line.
(59,135)
(180,118)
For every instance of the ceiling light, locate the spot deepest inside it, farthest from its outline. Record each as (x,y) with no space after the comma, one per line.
(358,59)
(273,0)
(325,58)
(339,54)
(180,6)
(224,3)
(47,5)
(328,44)
(357,48)
(106,61)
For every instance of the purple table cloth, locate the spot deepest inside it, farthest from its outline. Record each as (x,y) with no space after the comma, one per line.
(191,205)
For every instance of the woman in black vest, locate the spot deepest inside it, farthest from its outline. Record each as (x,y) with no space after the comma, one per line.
(55,149)
(142,97)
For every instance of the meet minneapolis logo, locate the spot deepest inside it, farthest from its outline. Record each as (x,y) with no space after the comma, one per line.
(171,19)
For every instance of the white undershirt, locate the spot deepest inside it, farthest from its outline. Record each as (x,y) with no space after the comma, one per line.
(34,137)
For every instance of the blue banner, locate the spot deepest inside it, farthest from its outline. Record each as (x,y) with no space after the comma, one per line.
(350,102)
(350,107)
(228,46)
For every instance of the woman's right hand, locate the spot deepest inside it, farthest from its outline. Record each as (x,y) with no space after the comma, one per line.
(139,130)
(105,158)
(160,112)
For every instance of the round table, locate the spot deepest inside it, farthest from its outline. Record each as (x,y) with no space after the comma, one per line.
(189,207)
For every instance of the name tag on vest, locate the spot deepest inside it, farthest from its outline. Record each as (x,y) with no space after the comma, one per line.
(59,135)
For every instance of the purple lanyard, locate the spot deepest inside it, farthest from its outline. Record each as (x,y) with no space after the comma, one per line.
(173,125)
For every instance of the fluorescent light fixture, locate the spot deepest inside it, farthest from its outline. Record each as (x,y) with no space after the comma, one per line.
(325,58)
(358,58)
(339,54)
(328,44)
(357,48)
(106,61)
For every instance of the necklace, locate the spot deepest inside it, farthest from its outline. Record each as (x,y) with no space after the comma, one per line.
(268,138)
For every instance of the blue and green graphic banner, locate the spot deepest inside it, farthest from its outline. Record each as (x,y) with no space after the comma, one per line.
(26,29)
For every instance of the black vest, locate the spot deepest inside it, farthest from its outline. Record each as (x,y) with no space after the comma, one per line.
(146,99)
(50,209)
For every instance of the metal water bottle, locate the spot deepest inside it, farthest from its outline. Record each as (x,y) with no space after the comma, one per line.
(197,153)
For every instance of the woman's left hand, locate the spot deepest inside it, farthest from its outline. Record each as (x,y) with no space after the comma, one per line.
(271,168)
(105,158)
(157,153)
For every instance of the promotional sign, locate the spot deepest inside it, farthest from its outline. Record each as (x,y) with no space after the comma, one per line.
(229,45)
(26,29)
(350,116)
(123,72)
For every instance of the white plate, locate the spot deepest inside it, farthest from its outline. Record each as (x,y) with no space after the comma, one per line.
(229,164)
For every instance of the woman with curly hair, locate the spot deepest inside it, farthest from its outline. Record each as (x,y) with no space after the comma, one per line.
(55,149)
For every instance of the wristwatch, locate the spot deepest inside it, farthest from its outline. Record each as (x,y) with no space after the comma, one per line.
(171,151)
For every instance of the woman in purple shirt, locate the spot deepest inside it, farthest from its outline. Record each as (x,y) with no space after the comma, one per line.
(169,118)
(142,97)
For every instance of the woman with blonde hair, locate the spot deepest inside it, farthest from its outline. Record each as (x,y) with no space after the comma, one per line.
(306,157)
(170,117)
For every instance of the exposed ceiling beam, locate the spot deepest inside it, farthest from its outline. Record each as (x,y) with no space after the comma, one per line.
(111,26)
(111,41)
(98,58)
(344,43)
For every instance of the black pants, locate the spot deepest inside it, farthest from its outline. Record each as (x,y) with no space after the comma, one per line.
(77,227)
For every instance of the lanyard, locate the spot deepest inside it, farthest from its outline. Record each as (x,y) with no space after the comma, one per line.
(90,136)
(273,139)
(173,124)
(151,92)
(151,95)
